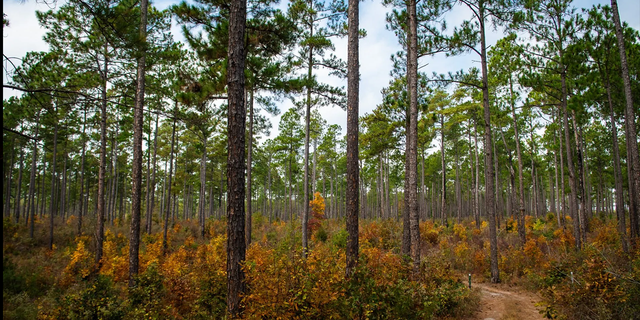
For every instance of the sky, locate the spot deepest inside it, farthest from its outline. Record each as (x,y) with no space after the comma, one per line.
(24,35)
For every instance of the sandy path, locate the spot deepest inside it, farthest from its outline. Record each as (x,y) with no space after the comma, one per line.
(501,302)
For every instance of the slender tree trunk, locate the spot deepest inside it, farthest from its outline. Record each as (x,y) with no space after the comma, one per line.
(617,175)
(406,221)
(203,186)
(163,203)
(572,175)
(19,186)
(32,182)
(412,82)
(52,211)
(353,172)
(152,187)
(305,214)
(496,205)
(521,212)
(458,187)
(43,191)
(561,191)
(63,198)
(165,243)
(136,176)
(249,170)
(116,184)
(82,171)
(488,140)
(630,132)
(584,227)
(559,210)
(236,245)
(476,186)
(443,185)
(7,203)
(512,179)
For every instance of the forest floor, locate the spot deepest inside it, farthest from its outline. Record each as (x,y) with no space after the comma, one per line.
(506,302)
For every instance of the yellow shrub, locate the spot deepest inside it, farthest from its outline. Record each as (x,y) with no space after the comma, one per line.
(81,262)
(460,231)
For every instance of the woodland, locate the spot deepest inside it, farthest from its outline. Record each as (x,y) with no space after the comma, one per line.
(141,179)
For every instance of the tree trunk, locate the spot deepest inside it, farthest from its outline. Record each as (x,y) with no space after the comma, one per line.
(136,176)
(236,246)
(353,174)
(7,203)
(412,82)
(572,175)
(561,190)
(443,185)
(630,132)
(203,186)
(488,140)
(52,210)
(82,169)
(43,191)
(458,187)
(584,227)
(32,182)
(249,169)
(165,244)
(19,186)
(521,213)
(152,202)
(476,185)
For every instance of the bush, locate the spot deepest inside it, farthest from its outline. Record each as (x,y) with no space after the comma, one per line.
(339,239)
(145,298)
(96,299)
(321,235)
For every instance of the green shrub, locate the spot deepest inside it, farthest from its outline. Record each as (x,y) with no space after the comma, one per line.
(322,235)
(145,298)
(97,299)
(339,239)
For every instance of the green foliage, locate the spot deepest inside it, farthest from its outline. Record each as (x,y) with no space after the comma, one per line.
(322,235)
(145,298)
(339,239)
(95,299)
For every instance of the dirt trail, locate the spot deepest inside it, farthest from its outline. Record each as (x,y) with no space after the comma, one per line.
(502,302)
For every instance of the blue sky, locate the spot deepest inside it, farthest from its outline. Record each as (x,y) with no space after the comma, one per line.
(24,34)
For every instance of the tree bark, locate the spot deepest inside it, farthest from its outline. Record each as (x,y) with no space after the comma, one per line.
(630,132)
(488,141)
(580,181)
(249,169)
(19,186)
(203,186)
(152,202)
(52,211)
(412,81)
(136,176)
(7,203)
(521,213)
(572,175)
(82,171)
(443,186)
(353,172)
(32,182)
(236,246)
(165,244)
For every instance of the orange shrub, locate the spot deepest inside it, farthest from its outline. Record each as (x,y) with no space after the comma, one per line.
(115,257)
(317,211)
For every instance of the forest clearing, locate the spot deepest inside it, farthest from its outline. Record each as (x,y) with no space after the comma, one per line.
(187,160)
